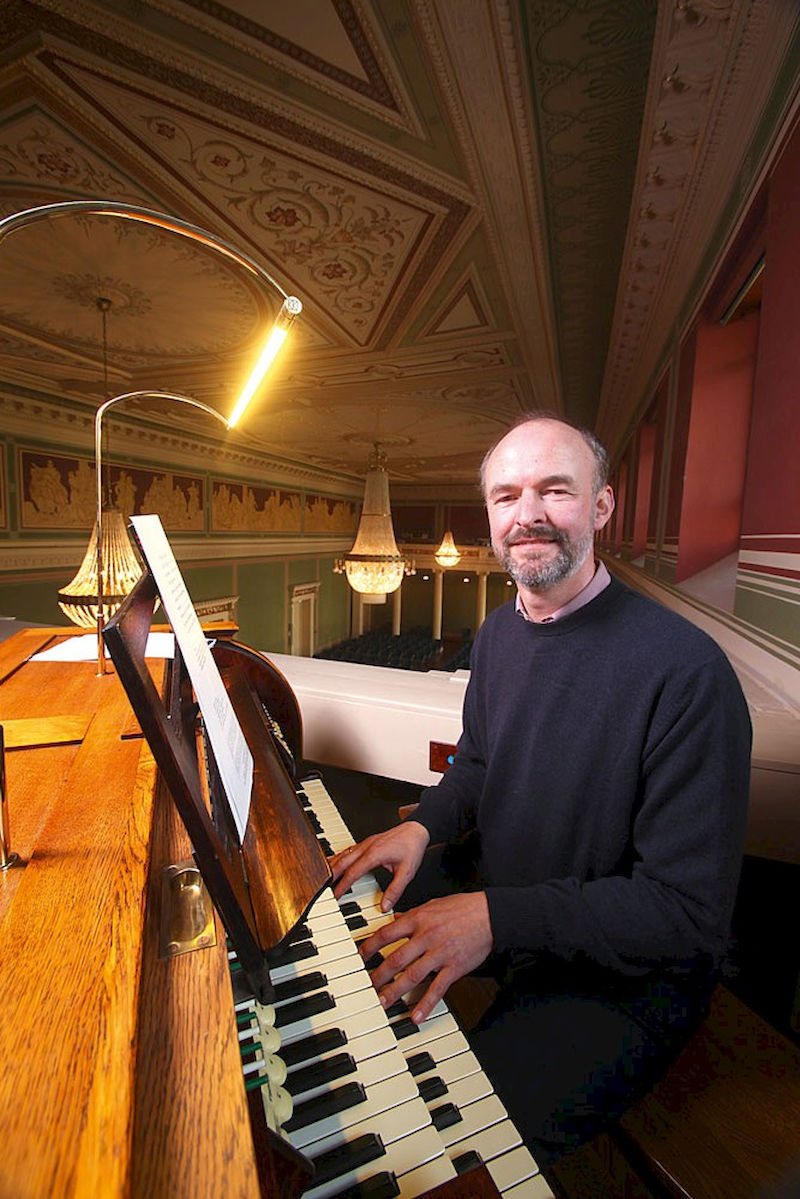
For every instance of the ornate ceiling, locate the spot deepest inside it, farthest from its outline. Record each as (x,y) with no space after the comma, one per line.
(484,205)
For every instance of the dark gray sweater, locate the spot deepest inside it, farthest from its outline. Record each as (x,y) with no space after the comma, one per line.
(605,762)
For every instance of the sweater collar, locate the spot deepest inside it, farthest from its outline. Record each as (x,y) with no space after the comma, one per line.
(598,582)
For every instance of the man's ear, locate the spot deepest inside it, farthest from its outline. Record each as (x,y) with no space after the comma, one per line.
(603,507)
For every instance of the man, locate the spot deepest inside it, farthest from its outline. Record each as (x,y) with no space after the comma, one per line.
(599,792)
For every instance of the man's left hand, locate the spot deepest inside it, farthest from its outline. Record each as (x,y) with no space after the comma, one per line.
(446,938)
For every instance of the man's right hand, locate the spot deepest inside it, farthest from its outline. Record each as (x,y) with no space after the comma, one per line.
(399,850)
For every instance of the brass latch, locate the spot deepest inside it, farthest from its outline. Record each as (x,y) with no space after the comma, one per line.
(187,914)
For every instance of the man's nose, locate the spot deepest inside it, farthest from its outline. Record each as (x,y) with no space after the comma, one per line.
(530,509)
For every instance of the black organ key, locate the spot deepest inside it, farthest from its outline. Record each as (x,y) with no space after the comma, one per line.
(334,1162)
(404,1028)
(380,1186)
(325,846)
(431,1088)
(354,922)
(312,1046)
(292,953)
(290,988)
(307,1078)
(467,1161)
(445,1116)
(300,1009)
(420,1063)
(338,1099)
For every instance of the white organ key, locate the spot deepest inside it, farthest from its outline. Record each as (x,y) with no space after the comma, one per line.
(466,1090)
(341,976)
(392,1093)
(324,916)
(361,1004)
(327,934)
(392,1125)
(450,1045)
(429,1030)
(489,1141)
(456,1070)
(334,967)
(419,1151)
(375,919)
(513,1168)
(476,1117)
(378,1042)
(532,1188)
(423,1178)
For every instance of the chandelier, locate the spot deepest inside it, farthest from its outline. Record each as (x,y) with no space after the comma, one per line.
(447,553)
(375,566)
(91,595)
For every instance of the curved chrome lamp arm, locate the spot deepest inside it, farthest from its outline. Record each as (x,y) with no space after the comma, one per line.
(291,308)
(146,216)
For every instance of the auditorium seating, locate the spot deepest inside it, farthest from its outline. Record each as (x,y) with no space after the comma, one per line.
(415,650)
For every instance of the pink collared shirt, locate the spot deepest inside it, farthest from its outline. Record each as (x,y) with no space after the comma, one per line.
(598,582)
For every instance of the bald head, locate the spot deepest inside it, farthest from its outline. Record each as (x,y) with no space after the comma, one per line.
(595,447)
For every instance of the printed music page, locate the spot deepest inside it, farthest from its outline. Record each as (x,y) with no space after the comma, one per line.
(232,755)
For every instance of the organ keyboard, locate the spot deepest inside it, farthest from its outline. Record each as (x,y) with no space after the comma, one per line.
(423,1088)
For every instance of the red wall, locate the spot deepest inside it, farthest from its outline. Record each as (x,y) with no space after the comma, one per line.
(644,484)
(716,452)
(772,497)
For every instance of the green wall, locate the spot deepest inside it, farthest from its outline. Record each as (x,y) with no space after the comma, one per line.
(262,605)
(34,600)
(334,604)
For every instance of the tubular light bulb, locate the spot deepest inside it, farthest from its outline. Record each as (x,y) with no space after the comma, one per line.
(290,309)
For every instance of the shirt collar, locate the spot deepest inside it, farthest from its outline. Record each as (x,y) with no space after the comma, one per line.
(598,582)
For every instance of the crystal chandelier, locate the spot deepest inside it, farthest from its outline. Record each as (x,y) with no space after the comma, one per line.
(447,553)
(374,565)
(111,569)
(78,600)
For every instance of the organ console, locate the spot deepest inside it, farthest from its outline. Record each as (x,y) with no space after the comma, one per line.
(152,1052)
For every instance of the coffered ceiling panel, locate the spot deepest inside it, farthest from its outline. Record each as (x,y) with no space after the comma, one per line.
(484,205)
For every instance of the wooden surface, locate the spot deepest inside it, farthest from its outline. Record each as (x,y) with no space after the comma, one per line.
(192,1136)
(74,1030)
(71,925)
(724,1122)
(29,732)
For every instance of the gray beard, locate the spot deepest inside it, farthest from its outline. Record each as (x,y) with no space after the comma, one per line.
(539,576)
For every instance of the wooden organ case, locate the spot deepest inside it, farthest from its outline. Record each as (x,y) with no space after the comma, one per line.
(121,1068)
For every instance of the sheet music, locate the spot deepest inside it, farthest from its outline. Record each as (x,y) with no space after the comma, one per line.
(232,755)
(84,649)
